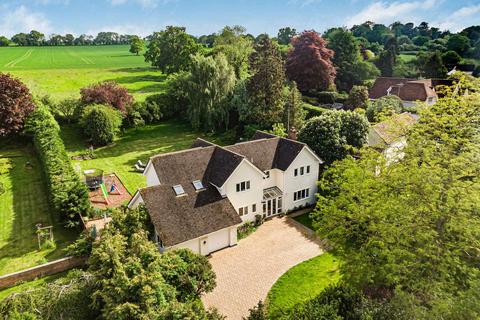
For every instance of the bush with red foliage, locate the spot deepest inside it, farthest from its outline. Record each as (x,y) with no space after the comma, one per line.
(16,104)
(309,62)
(109,93)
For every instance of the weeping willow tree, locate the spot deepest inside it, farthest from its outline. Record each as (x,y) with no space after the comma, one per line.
(209,87)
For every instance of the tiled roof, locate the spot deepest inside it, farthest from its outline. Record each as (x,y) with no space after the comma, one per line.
(405,89)
(179,219)
(390,130)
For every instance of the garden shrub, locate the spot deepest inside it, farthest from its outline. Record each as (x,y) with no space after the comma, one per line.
(109,93)
(68,195)
(101,123)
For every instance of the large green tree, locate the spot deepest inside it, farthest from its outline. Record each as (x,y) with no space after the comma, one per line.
(408,229)
(285,35)
(351,69)
(294,114)
(335,134)
(136,45)
(265,86)
(431,64)
(208,90)
(232,42)
(170,50)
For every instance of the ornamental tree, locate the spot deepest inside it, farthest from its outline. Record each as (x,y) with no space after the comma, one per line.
(335,134)
(100,124)
(16,104)
(309,62)
(357,98)
(108,93)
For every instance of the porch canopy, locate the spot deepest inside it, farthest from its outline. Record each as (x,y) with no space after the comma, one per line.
(271,193)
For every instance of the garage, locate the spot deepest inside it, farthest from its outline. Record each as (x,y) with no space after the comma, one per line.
(218,240)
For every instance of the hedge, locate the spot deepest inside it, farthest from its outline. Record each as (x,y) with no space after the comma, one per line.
(313,111)
(68,195)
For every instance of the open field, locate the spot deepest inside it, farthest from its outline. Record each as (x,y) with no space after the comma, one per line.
(22,205)
(302,283)
(61,71)
(135,144)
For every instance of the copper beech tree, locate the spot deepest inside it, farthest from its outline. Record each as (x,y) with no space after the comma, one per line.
(16,104)
(309,62)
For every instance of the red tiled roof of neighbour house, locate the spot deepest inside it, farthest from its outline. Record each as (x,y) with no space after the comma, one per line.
(406,89)
(382,84)
(392,129)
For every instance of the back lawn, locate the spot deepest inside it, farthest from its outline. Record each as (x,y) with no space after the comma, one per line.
(134,144)
(23,204)
(302,283)
(30,285)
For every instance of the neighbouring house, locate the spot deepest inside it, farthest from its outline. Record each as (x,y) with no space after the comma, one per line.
(388,136)
(409,91)
(197,198)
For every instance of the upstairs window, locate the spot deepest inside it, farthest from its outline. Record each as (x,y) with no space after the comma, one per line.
(301,171)
(308,169)
(198,185)
(242,186)
(178,190)
(295,172)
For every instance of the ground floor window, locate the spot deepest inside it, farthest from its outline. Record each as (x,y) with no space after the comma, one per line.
(243,211)
(254,207)
(301,194)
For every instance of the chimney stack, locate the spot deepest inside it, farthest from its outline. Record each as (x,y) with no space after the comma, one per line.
(292,133)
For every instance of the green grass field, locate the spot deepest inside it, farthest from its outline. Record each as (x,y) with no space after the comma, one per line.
(305,220)
(135,144)
(302,283)
(61,71)
(23,204)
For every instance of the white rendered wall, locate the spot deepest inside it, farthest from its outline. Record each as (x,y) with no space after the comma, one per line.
(245,172)
(292,183)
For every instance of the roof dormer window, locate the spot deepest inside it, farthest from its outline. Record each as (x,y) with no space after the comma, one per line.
(179,190)
(198,185)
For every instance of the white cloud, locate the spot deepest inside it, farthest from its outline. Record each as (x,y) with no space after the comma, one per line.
(303,3)
(459,19)
(21,19)
(143,3)
(384,12)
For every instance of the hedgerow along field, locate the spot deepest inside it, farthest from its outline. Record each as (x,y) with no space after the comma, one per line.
(61,72)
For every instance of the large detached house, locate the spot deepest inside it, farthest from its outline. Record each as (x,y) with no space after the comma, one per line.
(197,198)
(408,90)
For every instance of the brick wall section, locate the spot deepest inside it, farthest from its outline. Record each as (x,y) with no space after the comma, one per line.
(49,268)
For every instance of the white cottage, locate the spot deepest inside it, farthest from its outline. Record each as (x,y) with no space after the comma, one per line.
(198,197)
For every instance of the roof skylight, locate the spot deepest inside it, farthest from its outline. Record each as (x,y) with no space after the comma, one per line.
(198,185)
(179,190)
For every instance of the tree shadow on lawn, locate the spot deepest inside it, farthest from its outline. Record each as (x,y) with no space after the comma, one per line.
(30,206)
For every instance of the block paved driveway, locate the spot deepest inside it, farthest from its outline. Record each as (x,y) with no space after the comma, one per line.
(246,272)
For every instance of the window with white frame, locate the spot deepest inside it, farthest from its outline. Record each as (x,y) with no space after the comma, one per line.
(243,211)
(242,186)
(301,194)
(301,171)
(254,207)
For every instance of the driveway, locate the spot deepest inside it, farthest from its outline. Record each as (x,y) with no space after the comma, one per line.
(246,272)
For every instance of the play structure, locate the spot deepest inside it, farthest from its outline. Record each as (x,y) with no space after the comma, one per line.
(94,179)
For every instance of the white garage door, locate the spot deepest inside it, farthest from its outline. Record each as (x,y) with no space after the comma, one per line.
(218,240)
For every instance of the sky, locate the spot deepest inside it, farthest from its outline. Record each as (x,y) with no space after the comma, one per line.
(142,17)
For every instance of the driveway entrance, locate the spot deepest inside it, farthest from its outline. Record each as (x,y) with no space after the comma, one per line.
(246,272)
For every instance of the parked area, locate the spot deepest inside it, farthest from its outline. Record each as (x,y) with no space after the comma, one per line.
(246,273)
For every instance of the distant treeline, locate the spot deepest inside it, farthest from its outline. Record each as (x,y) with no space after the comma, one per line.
(36,38)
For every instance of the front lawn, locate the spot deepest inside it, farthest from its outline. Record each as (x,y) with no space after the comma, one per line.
(134,144)
(23,204)
(302,283)
(305,220)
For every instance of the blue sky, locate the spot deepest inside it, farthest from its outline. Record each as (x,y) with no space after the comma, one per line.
(207,16)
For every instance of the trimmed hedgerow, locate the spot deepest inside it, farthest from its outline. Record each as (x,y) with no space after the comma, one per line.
(68,195)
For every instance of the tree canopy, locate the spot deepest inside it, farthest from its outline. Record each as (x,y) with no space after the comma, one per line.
(309,62)
(170,50)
